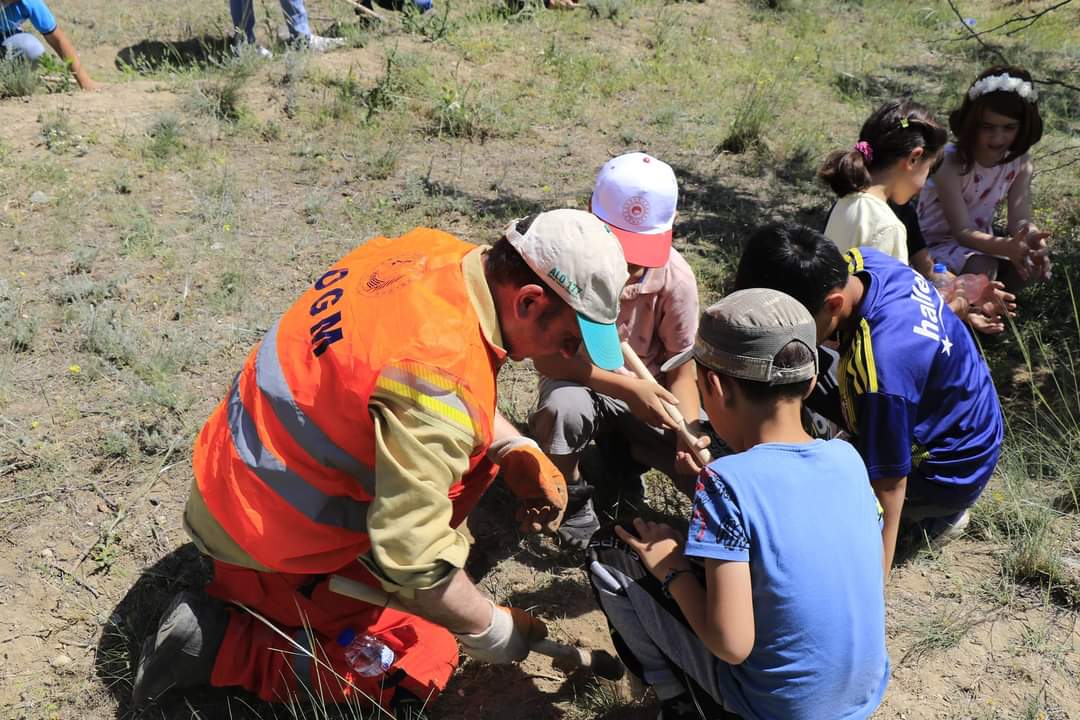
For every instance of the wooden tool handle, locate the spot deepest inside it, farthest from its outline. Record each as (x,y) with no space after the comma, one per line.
(638,368)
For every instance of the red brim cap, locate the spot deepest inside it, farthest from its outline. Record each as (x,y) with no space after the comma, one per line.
(650,251)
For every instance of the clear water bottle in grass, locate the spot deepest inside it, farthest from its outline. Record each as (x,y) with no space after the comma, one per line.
(367,655)
(943,281)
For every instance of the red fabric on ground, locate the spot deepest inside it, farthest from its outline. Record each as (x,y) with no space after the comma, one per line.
(259,659)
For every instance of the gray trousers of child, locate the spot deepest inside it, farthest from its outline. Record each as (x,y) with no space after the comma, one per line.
(22,45)
(648,629)
(569,415)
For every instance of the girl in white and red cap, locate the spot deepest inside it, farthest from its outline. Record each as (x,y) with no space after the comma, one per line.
(636,195)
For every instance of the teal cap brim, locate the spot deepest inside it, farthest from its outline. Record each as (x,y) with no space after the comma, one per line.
(601,342)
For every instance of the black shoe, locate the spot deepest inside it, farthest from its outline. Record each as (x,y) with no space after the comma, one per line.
(183,651)
(580,521)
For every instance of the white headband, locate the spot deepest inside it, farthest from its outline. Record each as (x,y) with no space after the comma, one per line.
(1004,83)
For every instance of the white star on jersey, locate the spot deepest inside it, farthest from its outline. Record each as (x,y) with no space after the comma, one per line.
(946,346)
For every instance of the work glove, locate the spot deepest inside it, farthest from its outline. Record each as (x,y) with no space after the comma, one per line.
(507,638)
(536,482)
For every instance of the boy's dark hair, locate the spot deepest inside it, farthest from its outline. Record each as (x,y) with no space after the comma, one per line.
(964,121)
(793,355)
(506,266)
(890,133)
(793,259)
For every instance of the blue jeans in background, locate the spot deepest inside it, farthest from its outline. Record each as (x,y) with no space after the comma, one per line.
(243,17)
(22,45)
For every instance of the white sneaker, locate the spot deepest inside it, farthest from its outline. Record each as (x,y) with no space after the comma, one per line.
(240,47)
(320,44)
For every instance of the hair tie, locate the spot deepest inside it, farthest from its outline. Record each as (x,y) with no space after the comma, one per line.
(865,150)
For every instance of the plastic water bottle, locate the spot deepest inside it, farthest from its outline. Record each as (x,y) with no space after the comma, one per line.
(367,655)
(975,287)
(945,283)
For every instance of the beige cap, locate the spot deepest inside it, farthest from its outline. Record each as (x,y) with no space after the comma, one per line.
(579,257)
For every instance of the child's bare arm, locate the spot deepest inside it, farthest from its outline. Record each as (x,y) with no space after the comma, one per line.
(721,615)
(1020,198)
(1020,224)
(890,493)
(729,612)
(947,181)
(63,47)
(642,396)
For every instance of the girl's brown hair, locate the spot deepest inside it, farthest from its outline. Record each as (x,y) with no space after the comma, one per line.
(889,134)
(964,121)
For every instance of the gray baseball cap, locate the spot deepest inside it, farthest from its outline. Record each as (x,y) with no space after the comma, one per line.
(741,336)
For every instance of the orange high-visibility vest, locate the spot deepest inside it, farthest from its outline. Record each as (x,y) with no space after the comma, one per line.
(285,464)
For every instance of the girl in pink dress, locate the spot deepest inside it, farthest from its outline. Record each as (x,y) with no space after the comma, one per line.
(995,126)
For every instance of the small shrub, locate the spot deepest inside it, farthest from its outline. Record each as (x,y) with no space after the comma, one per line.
(221,99)
(16,332)
(80,289)
(117,444)
(18,78)
(349,95)
(57,132)
(456,114)
(82,261)
(270,132)
(389,89)
(296,67)
(164,136)
(752,116)
(382,166)
(433,25)
(107,332)
(55,74)
(139,234)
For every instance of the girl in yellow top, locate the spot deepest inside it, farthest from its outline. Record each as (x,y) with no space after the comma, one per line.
(898,146)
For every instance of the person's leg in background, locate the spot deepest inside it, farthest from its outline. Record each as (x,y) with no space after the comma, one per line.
(243,18)
(296,18)
(23,45)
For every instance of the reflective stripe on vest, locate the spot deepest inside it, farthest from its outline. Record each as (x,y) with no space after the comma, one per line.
(335,510)
(270,379)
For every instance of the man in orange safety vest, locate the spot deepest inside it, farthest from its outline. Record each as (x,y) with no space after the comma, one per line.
(358,435)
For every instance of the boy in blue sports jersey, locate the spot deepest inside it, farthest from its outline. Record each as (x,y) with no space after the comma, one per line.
(773,606)
(17,43)
(912,388)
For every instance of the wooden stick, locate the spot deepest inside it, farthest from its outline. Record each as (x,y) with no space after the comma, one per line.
(638,368)
(364,9)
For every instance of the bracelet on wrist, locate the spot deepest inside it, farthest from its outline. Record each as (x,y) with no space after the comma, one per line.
(665,586)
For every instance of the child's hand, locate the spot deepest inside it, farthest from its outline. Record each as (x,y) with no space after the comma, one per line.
(988,316)
(1039,252)
(997,301)
(658,545)
(1019,253)
(685,464)
(645,403)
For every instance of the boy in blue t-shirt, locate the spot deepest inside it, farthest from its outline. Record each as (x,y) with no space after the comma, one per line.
(787,617)
(15,42)
(911,386)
